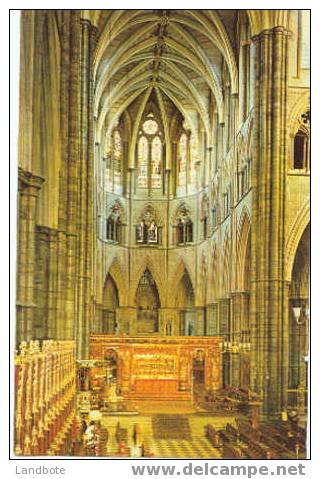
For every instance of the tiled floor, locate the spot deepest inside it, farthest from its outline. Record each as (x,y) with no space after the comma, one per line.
(196,447)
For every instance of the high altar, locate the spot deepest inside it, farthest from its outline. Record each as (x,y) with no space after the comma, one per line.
(158,367)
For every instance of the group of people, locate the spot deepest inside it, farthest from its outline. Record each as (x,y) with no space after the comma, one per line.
(91,439)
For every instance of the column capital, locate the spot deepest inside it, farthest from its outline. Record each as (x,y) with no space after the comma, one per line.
(29,180)
(271,31)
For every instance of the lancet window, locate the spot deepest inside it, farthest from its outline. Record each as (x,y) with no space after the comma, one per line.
(187,158)
(150,154)
(183,227)
(148,230)
(114,158)
(301,147)
(114,224)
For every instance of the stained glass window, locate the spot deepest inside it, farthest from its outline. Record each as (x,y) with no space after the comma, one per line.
(305,38)
(150,127)
(182,160)
(194,154)
(156,157)
(143,153)
(117,153)
(108,158)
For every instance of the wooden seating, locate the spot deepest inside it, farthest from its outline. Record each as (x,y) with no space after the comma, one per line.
(212,435)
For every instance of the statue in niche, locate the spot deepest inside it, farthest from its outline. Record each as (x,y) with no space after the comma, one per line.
(153,233)
(142,232)
(147,231)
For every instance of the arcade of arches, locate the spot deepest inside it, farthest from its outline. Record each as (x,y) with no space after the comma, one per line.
(163,254)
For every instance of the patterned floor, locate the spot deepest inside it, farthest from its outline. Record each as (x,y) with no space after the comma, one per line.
(196,447)
(169,426)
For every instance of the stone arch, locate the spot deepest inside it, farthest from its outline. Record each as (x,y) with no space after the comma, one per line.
(147,302)
(299,225)
(179,272)
(110,304)
(117,209)
(149,274)
(299,107)
(116,272)
(184,292)
(149,212)
(243,246)
(183,209)
(110,292)
(298,125)
(147,263)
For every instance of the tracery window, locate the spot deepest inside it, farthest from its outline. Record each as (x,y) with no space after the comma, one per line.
(117,145)
(184,227)
(156,158)
(301,146)
(187,158)
(194,154)
(143,154)
(301,151)
(150,154)
(114,158)
(114,229)
(114,224)
(148,230)
(182,160)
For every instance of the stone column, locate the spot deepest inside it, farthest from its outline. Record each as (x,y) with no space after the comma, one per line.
(28,191)
(268,182)
(85,216)
(285,347)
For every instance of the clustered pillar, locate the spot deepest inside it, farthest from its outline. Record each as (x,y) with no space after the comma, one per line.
(29,186)
(269,369)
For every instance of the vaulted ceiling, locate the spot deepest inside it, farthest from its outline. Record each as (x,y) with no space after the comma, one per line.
(184,55)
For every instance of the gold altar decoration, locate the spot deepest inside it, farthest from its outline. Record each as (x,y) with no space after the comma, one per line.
(45,392)
(159,367)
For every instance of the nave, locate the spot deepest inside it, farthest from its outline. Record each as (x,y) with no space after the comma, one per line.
(163,233)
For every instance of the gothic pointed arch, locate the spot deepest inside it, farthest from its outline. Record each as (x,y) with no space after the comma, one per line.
(185,294)
(299,225)
(181,269)
(147,302)
(243,249)
(155,269)
(116,272)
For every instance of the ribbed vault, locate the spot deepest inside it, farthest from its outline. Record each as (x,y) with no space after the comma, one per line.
(186,56)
